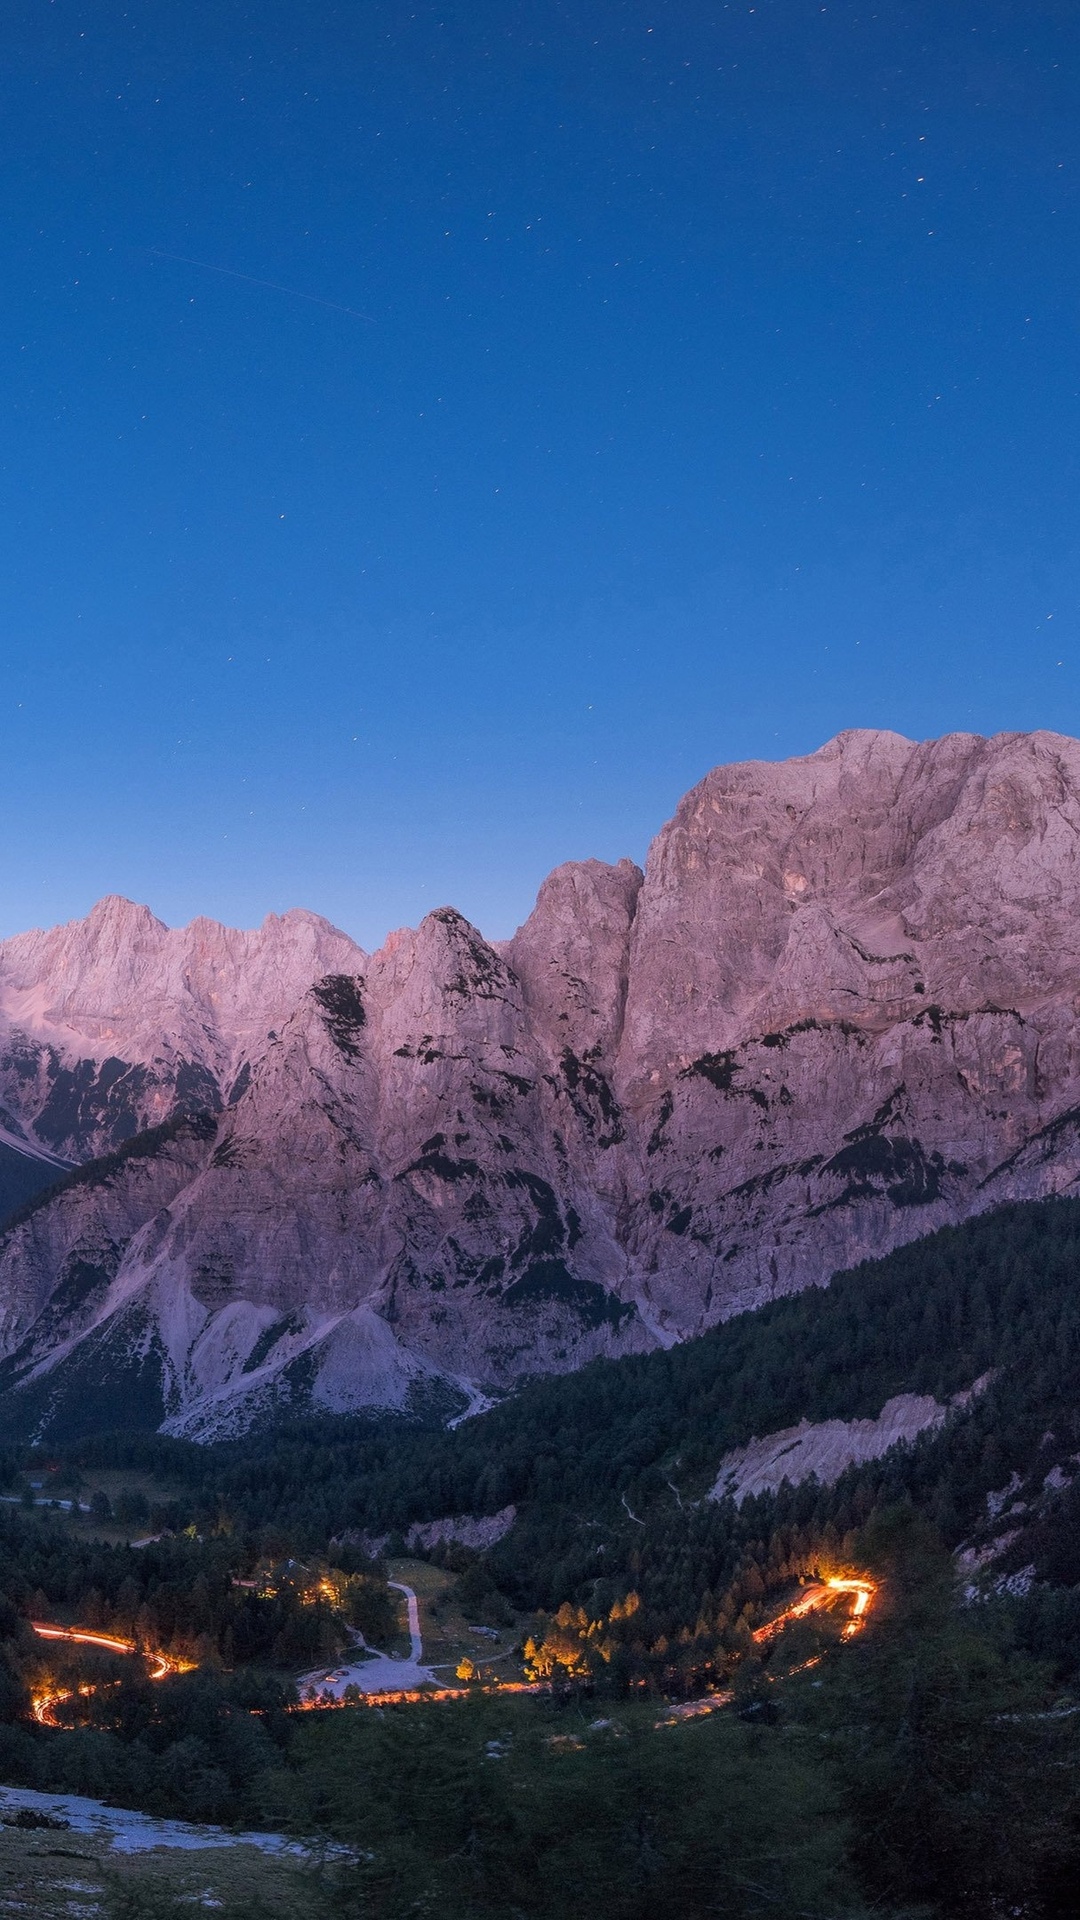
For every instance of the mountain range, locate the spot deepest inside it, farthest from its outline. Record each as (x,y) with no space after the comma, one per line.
(246,1172)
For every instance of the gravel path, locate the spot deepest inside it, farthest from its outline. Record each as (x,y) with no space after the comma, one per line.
(378,1673)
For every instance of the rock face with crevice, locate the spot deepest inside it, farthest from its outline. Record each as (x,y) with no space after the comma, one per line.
(837,1011)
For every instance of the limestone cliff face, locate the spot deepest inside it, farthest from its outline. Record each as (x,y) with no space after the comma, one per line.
(109,1024)
(852,1009)
(838,1010)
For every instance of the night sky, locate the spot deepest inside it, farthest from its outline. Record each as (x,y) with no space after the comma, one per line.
(434,436)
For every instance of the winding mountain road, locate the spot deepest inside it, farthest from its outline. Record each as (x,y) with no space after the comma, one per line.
(46,1700)
(379,1673)
(821,1595)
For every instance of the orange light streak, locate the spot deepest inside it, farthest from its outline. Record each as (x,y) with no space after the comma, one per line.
(160,1664)
(863,1592)
(822,1594)
(815,1597)
(819,1596)
(413,1696)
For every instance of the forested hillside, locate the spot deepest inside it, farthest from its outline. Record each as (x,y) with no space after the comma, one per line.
(634,1586)
(995,1301)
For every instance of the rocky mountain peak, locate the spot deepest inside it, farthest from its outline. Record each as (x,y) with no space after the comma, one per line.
(802,889)
(572,954)
(836,1011)
(114,919)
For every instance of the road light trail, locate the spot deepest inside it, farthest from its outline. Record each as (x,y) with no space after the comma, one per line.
(816,1598)
(160,1665)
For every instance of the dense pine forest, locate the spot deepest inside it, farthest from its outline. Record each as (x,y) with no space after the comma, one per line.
(927,1766)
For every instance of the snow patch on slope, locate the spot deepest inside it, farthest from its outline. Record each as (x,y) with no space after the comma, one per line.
(125,1831)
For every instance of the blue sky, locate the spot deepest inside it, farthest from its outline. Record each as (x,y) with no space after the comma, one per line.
(636,388)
